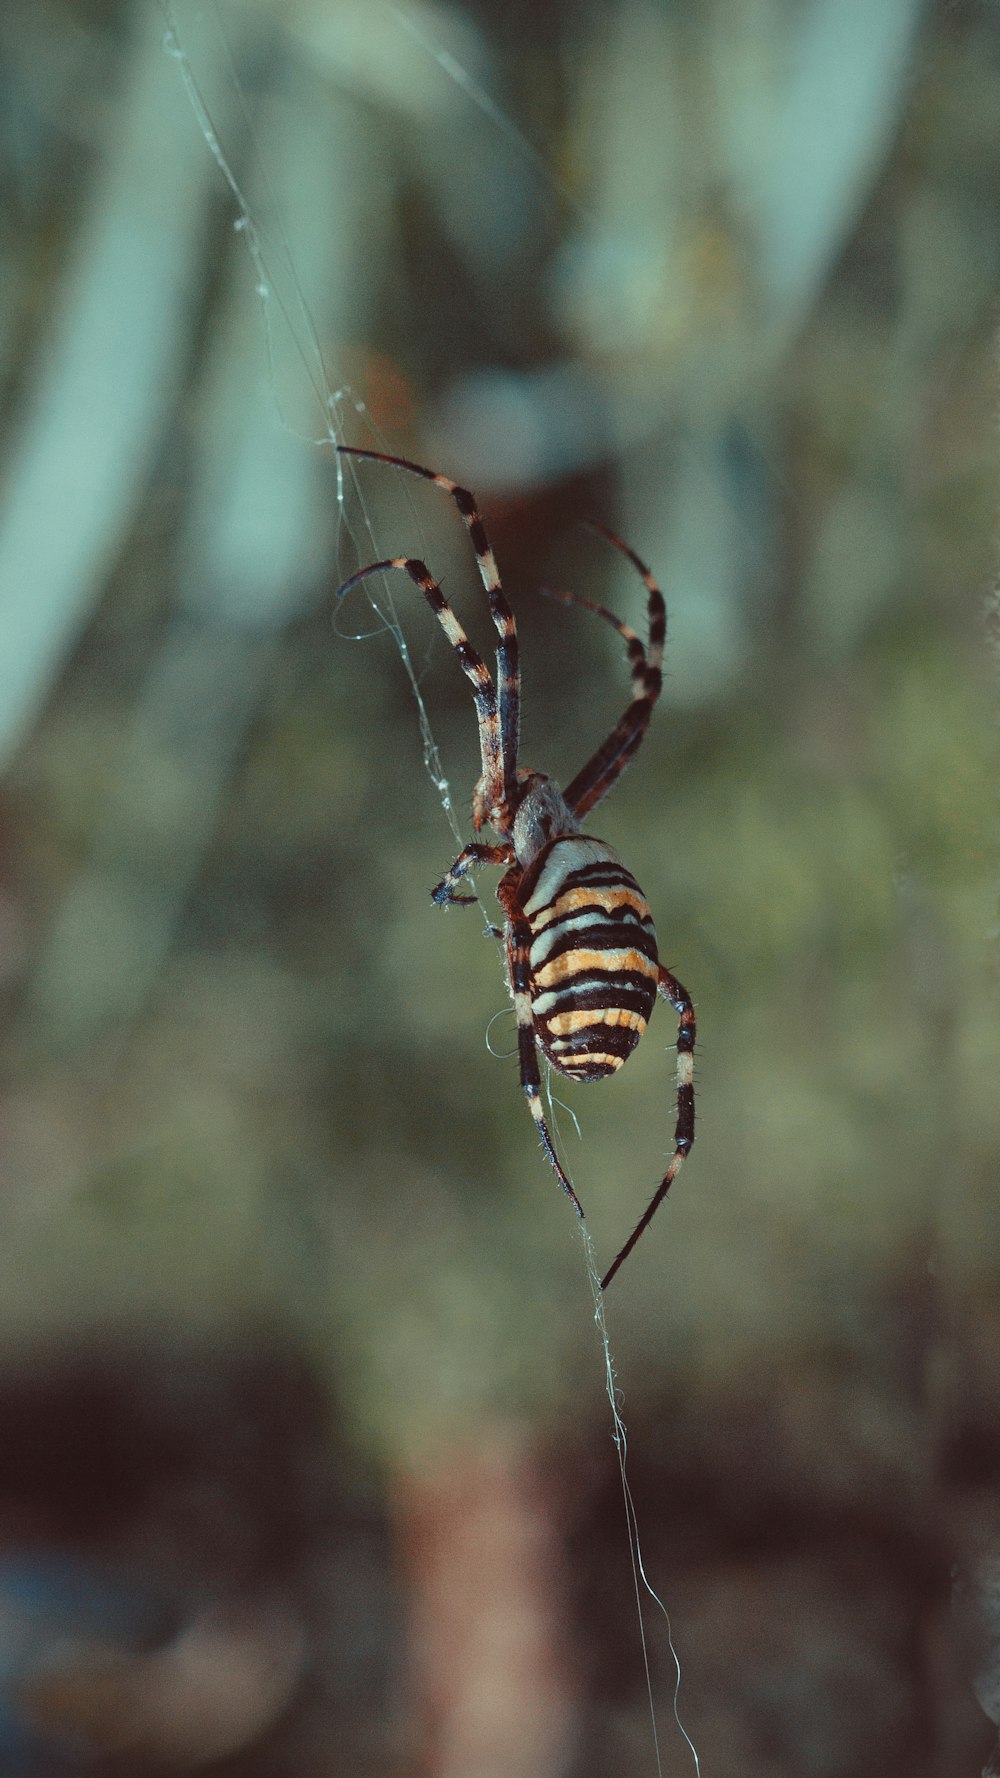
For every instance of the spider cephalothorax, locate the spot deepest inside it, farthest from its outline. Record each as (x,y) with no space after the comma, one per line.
(582,963)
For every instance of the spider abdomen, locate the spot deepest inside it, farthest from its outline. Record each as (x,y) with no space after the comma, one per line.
(593,959)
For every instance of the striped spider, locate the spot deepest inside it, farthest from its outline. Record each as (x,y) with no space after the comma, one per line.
(580,944)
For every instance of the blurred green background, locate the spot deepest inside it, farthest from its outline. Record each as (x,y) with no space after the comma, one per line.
(724,277)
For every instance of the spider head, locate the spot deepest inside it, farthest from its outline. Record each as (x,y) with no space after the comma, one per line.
(542,814)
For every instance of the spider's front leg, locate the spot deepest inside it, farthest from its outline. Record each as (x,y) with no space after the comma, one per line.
(444,895)
(480,806)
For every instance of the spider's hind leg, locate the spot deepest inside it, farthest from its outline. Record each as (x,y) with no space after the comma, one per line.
(519,967)
(680,1000)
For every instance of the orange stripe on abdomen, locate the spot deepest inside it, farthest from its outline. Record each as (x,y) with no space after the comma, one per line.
(594,968)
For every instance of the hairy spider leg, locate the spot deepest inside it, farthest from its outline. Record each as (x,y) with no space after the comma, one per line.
(468,858)
(508,668)
(680,1000)
(656,610)
(472,664)
(519,966)
(633,642)
(595,779)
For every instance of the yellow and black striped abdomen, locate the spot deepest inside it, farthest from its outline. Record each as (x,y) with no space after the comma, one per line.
(593,957)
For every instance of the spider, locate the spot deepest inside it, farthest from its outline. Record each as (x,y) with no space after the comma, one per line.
(581,955)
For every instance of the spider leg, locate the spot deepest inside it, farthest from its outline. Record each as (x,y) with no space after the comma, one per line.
(519,943)
(472,664)
(508,670)
(680,1000)
(472,855)
(633,642)
(606,765)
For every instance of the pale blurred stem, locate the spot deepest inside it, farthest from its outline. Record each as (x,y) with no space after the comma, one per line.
(491,1675)
(107,372)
